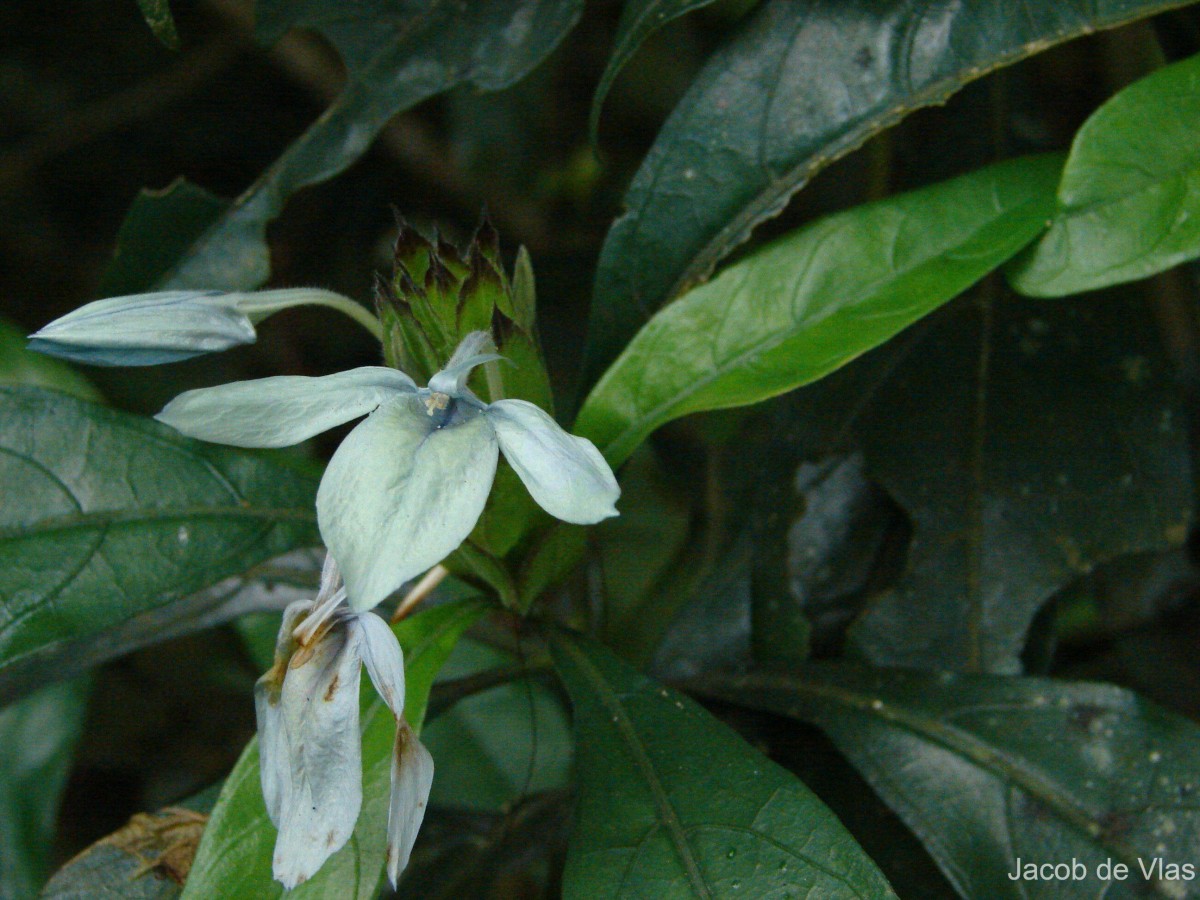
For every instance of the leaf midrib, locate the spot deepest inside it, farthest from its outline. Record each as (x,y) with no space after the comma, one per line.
(992,760)
(667,816)
(108,518)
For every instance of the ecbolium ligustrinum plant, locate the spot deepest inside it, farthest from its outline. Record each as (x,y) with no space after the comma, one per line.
(404,489)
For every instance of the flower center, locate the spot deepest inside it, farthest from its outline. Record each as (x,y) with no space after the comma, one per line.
(440,407)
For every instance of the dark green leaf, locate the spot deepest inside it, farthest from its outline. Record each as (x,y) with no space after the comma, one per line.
(673,804)
(1128,204)
(639,20)
(158,229)
(38,734)
(157,14)
(234,859)
(469,854)
(819,528)
(497,746)
(815,299)
(799,85)
(120,518)
(989,769)
(398,54)
(21,366)
(1056,442)
(637,550)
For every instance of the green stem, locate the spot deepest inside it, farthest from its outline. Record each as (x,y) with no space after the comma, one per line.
(267,302)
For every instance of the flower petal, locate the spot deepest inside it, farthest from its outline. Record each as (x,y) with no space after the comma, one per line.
(412,777)
(147,329)
(273,754)
(474,350)
(399,495)
(167,326)
(383,658)
(566,474)
(319,706)
(286,409)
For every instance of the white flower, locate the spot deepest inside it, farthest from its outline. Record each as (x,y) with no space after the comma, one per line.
(408,484)
(309,744)
(168,326)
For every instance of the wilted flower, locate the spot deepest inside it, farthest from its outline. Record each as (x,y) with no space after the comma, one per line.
(408,484)
(309,744)
(168,326)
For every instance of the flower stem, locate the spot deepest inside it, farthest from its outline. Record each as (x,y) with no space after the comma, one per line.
(354,310)
(420,591)
(260,304)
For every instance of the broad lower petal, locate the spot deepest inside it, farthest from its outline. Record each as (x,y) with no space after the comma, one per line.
(284,410)
(319,706)
(566,474)
(384,659)
(399,496)
(412,777)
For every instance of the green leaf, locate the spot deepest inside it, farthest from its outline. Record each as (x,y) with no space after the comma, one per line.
(471,854)
(797,86)
(38,734)
(1057,441)
(990,769)
(639,20)
(674,804)
(495,747)
(21,366)
(815,299)
(159,227)
(397,56)
(120,519)
(234,859)
(157,14)
(1129,201)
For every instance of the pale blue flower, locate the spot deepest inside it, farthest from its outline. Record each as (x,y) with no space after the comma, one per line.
(408,484)
(310,758)
(168,326)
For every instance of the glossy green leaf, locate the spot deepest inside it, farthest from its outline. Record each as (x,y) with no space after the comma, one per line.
(157,14)
(120,519)
(990,769)
(21,366)
(674,804)
(397,54)
(815,299)
(639,20)
(234,859)
(1057,441)
(799,84)
(1129,202)
(38,734)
